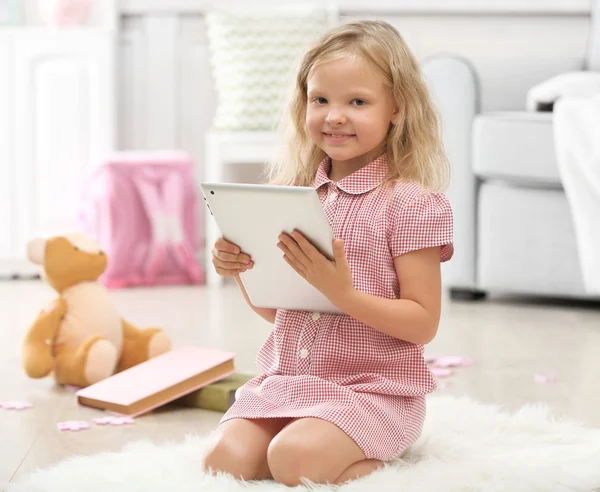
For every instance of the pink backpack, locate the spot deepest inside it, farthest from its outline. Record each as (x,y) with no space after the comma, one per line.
(141,208)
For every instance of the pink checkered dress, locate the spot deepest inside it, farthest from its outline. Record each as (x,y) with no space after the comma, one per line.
(333,367)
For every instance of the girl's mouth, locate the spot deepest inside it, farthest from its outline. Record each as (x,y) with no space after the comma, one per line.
(338,137)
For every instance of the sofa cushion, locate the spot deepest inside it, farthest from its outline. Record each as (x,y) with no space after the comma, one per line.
(515,146)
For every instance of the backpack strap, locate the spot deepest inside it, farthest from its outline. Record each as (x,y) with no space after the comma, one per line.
(164,212)
(174,203)
(147,186)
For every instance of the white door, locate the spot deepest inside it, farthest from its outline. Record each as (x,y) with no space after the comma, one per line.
(63,124)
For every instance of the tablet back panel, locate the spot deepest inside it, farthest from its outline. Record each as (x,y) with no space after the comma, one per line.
(252,216)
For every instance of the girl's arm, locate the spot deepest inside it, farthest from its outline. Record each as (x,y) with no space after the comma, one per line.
(415,316)
(266,313)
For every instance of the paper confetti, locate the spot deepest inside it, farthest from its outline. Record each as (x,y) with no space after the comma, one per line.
(70,387)
(72,425)
(453,361)
(113,420)
(448,360)
(15,405)
(51,306)
(441,372)
(541,378)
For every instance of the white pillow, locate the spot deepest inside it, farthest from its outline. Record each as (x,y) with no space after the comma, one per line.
(252,55)
(579,85)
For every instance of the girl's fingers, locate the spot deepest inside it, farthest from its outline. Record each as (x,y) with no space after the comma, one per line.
(305,246)
(292,264)
(293,250)
(292,260)
(223,245)
(230,265)
(229,272)
(231,257)
(289,255)
(226,265)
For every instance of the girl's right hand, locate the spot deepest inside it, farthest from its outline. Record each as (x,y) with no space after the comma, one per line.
(228,259)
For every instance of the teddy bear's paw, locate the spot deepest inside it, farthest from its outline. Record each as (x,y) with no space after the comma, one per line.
(101,361)
(159,344)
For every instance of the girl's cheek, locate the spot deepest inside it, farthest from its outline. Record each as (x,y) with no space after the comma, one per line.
(312,122)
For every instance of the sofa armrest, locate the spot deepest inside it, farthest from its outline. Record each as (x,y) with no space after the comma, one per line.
(454,87)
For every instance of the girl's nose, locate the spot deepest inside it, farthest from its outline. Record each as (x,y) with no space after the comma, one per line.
(335,116)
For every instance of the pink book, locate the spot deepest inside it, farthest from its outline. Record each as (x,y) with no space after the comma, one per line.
(158,381)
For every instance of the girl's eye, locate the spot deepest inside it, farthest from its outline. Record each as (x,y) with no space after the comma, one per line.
(321,100)
(359,102)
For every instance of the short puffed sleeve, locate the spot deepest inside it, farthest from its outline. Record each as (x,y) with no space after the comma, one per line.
(421,221)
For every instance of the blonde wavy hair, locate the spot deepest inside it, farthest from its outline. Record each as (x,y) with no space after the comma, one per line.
(414,145)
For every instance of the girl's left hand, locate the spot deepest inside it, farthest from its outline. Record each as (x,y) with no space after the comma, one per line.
(332,278)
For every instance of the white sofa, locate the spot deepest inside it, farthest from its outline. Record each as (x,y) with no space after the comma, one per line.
(513,227)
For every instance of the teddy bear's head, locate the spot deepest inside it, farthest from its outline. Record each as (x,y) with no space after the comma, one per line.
(67,260)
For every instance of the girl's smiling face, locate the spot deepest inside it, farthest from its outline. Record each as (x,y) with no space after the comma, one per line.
(348,114)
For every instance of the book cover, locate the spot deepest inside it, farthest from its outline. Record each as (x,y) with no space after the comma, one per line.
(158,381)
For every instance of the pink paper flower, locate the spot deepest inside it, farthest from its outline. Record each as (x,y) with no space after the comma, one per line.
(72,388)
(441,372)
(72,425)
(52,305)
(15,405)
(541,378)
(453,361)
(113,420)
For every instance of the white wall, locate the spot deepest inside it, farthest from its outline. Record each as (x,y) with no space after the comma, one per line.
(536,34)
(510,52)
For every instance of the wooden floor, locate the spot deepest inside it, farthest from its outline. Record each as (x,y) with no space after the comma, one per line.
(510,341)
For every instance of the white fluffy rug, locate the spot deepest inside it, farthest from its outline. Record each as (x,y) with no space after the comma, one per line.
(466,446)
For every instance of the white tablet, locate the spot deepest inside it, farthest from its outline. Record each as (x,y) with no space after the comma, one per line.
(253,216)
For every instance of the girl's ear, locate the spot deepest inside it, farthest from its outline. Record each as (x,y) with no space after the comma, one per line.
(395,117)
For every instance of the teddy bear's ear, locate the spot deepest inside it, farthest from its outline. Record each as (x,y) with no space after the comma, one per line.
(36,250)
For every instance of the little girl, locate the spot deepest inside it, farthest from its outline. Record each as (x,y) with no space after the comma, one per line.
(339,395)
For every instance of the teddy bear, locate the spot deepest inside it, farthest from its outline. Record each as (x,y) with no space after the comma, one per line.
(81,337)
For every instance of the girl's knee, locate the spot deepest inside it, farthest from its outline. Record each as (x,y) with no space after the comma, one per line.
(215,456)
(291,463)
(223,456)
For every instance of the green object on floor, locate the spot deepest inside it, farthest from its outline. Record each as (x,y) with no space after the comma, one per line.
(217,396)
